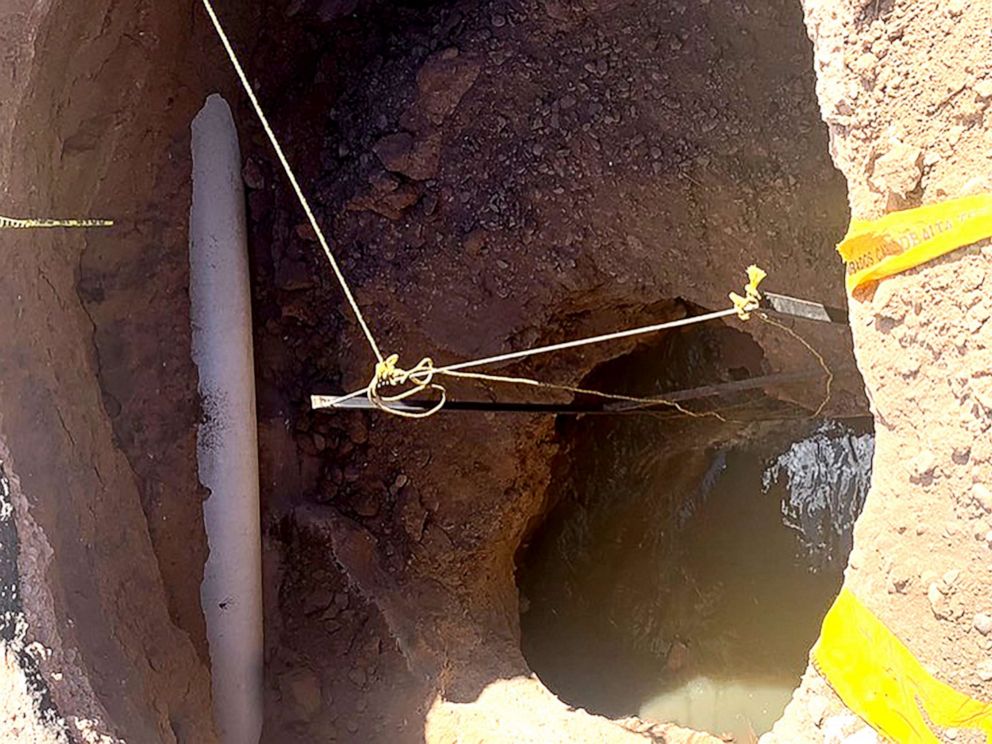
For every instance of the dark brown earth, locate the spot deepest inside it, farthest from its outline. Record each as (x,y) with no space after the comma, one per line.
(522,173)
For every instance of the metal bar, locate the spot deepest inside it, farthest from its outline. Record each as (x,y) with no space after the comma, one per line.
(806,309)
(707,391)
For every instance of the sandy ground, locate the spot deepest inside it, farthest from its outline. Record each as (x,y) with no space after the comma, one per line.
(905,90)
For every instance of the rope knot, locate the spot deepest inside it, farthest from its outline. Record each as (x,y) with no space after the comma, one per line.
(751,300)
(388,373)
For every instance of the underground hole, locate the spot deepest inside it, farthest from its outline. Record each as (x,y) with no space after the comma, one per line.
(496,176)
(685,569)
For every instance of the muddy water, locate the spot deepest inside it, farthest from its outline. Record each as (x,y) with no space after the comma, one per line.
(687,582)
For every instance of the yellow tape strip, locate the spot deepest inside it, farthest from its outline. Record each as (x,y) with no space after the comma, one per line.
(16,224)
(878,678)
(901,240)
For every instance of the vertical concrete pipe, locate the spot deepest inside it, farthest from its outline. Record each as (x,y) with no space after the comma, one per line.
(227,447)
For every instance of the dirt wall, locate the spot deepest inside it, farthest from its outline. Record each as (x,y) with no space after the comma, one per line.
(905,90)
(97,100)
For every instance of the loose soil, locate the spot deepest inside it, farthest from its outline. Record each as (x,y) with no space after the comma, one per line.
(905,89)
(521,173)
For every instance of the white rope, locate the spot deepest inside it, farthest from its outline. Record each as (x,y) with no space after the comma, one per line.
(292,179)
(587,341)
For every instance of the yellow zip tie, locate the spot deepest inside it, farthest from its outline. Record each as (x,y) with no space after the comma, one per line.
(878,678)
(14,224)
(900,241)
(752,297)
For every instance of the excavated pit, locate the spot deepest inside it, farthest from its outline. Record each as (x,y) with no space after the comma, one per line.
(687,563)
(495,175)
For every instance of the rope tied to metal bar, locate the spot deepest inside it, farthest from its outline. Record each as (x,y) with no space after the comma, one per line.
(421,377)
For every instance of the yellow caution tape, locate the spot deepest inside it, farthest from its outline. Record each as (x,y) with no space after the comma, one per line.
(901,240)
(878,678)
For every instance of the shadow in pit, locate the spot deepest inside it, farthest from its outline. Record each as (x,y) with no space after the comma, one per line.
(685,567)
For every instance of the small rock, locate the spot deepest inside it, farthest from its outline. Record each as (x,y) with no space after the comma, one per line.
(897,584)
(938,602)
(817,708)
(300,689)
(898,171)
(251,174)
(357,677)
(474,242)
(634,243)
(412,514)
(984,670)
(678,657)
(983,623)
(305,232)
(383,182)
(961,455)
(317,601)
(950,577)
(982,496)
(984,88)
(415,158)
(922,466)
(443,81)
(352,473)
